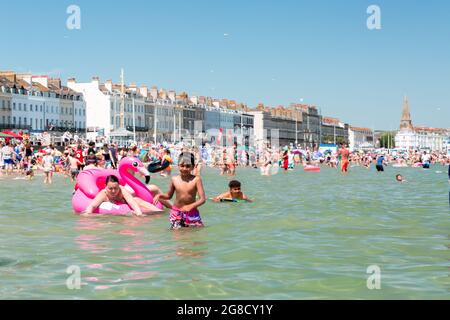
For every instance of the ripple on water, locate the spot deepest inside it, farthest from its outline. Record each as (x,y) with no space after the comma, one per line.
(306,236)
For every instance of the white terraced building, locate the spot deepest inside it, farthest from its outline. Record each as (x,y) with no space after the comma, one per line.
(103,108)
(40,103)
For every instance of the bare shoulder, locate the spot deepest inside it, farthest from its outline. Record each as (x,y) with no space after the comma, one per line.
(175,179)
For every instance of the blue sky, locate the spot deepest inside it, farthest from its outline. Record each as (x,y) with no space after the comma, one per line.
(275,52)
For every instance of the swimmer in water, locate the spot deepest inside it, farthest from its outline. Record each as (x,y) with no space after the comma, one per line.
(399,178)
(233,194)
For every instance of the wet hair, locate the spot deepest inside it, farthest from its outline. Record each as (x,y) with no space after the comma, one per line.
(186,158)
(234,184)
(398,176)
(112,178)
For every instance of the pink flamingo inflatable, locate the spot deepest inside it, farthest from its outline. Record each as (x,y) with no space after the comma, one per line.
(91,182)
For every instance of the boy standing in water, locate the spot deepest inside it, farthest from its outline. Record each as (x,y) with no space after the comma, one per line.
(184,212)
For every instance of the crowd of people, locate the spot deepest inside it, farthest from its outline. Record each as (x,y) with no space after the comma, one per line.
(23,158)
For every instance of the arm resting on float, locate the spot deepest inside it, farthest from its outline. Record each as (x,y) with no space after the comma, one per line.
(98,200)
(131,202)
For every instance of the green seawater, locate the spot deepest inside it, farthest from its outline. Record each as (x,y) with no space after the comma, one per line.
(308,235)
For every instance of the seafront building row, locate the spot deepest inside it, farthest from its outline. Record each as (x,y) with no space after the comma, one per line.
(38,103)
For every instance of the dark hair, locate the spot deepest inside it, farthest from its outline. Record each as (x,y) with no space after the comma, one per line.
(112,178)
(234,184)
(187,158)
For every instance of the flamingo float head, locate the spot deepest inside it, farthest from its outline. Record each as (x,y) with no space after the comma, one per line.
(135,165)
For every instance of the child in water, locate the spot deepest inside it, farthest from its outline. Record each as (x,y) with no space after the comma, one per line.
(233,194)
(399,178)
(184,212)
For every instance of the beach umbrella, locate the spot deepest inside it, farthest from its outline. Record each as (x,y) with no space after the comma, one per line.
(5,135)
(13,134)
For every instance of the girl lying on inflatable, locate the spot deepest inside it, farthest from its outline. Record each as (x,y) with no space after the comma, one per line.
(116,195)
(104,191)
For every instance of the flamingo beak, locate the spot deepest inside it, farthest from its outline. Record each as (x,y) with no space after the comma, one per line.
(145,173)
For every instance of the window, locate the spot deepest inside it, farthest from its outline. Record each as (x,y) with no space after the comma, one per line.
(14,120)
(36,123)
(25,121)
(36,109)
(40,121)
(24,107)
(3,119)
(20,121)
(9,104)
(14,105)
(53,110)
(3,104)
(84,113)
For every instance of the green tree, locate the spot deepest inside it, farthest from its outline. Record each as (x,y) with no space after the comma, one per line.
(387,139)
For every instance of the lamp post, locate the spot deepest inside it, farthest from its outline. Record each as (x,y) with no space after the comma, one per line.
(134,123)
(296,124)
(320,126)
(155,113)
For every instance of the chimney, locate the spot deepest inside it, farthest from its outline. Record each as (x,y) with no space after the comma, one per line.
(163,94)
(143,90)
(194,100)
(109,85)
(55,81)
(71,81)
(154,93)
(133,87)
(96,81)
(172,95)
(43,80)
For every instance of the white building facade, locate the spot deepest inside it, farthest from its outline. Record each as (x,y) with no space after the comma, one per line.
(35,106)
(360,138)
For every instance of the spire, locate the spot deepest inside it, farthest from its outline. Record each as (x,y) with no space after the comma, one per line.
(405,121)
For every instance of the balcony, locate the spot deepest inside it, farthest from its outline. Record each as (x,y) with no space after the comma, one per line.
(140,129)
(15,126)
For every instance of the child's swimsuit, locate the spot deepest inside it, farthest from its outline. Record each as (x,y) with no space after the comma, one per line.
(180,218)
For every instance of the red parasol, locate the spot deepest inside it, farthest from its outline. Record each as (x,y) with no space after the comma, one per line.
(15,135)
